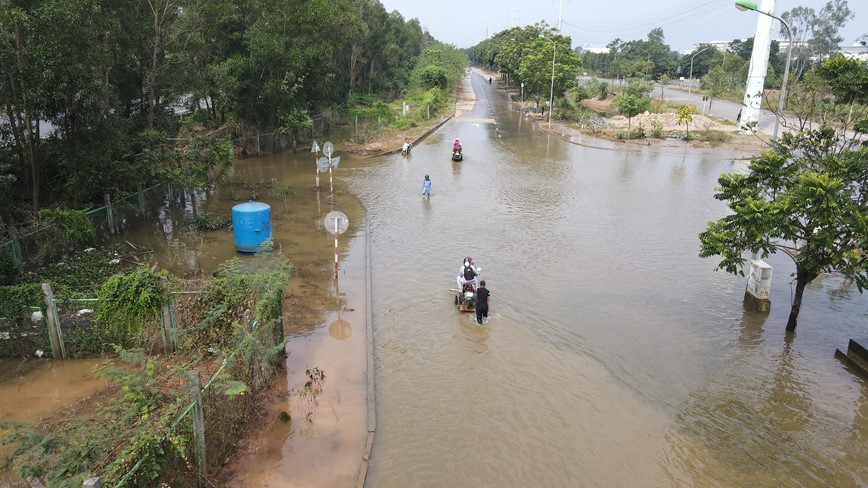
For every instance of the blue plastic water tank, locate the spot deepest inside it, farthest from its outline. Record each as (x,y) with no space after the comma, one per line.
(251,225)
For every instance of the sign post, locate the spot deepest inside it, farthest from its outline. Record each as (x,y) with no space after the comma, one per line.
(337,223)
(328,148)
(315,150)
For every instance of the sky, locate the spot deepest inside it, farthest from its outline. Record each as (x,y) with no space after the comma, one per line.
(465,23)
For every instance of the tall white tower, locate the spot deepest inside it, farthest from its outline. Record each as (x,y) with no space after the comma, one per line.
(756,75)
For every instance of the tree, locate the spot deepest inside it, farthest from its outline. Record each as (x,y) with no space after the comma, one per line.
(685,116)
(702,56)
(809,196)
(807,99)
(634,100)
(816,35)
(715,82)
(535,69)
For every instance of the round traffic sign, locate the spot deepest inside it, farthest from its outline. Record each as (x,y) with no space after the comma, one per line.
(336,222)
(328,148)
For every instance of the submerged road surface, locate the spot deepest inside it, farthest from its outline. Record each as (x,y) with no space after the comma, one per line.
(614,356)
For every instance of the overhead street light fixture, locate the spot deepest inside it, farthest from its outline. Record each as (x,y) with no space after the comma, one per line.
(746,5)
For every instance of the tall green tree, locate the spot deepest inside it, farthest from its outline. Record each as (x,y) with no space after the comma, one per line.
(715,81)
(816,34)
(535,69)
(634,100)
(807,195)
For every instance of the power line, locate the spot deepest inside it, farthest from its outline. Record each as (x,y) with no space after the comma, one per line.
(673,17)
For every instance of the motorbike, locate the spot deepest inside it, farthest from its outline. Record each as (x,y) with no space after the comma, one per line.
(457,155)
(465,297)
(405,151)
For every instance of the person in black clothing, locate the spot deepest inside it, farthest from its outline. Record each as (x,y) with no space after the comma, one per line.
(483,297)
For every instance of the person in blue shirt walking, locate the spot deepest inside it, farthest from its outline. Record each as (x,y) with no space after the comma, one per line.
(426,187)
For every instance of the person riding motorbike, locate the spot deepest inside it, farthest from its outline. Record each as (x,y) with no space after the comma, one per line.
(456,147)
(468,274)
(405,150)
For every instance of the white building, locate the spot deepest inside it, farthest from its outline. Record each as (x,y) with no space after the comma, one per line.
(591,48)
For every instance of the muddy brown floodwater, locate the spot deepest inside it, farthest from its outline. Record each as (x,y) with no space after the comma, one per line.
(613,355)
(34,389)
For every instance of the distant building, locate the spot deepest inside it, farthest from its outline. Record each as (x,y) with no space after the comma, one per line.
(591,48)
(856,51)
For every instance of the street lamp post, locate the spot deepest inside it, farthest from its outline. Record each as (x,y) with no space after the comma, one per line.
(552,90)
(746,5)
(690,77)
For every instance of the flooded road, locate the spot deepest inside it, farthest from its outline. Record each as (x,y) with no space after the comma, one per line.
(613,356)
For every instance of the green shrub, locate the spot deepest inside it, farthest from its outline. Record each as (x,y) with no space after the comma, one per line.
(433,77)
(634,133)
(129,301)
(581,92)
(359,99)
(63,231)
(657,129)
(10,268)
(403,124)
(602,90)
(205,222)
(716,136)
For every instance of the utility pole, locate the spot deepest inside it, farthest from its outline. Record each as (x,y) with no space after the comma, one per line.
(513,16)
(756,75)
(561,17)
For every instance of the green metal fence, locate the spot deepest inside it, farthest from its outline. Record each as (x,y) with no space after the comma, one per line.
(28,247)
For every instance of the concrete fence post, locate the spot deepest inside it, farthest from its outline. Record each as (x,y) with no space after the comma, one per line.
(109,216)
(53,322)
(198,423)
(94,482)
(166,328)
(16,245)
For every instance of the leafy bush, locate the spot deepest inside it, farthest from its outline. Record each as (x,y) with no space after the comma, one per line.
(602,90)
(64,231)
(205,222)
(129,301)
(10,268)
(716,136)
(403,124)
(433,77)
(376,111)
(360,99)
(634,133)
(657,129)
(581,92)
